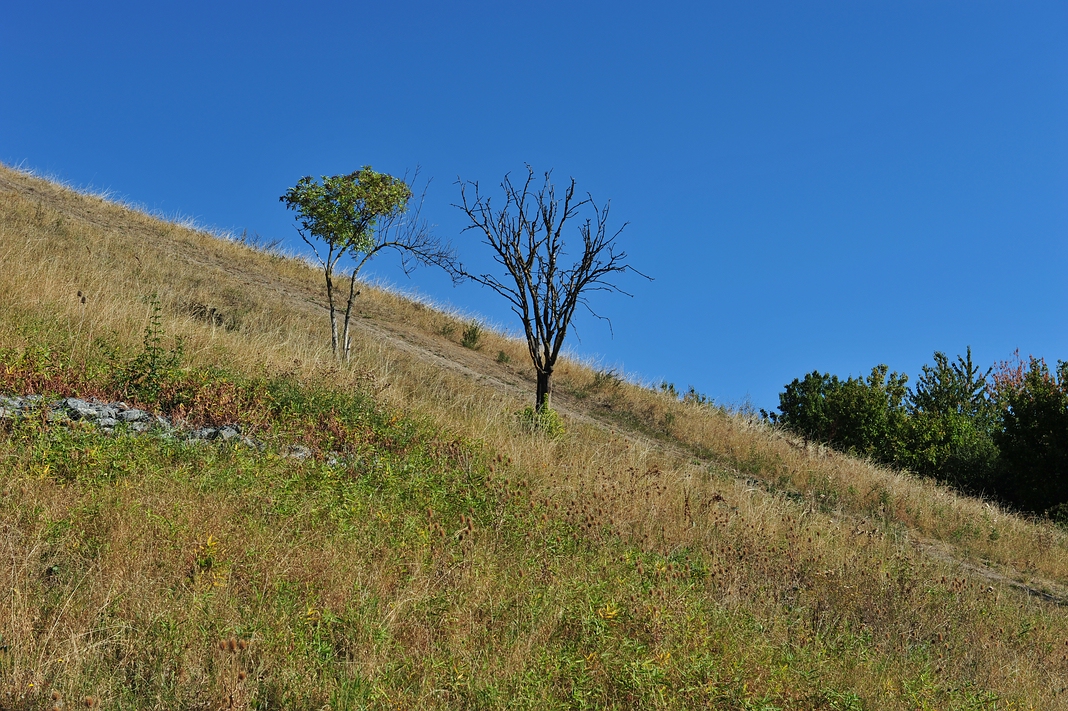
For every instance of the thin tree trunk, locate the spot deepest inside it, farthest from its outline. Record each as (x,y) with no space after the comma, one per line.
(348,316)
(545,389)
(333,311)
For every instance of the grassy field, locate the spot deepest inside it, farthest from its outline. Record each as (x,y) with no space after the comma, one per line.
(435,553)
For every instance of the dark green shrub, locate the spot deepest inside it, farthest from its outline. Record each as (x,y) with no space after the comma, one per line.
(952,424)
(1033,438)
(863,417)
(1006,438)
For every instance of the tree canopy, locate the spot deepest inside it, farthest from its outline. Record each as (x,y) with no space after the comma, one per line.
(358,215)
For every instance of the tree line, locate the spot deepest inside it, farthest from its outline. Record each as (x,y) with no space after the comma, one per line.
(1001,433)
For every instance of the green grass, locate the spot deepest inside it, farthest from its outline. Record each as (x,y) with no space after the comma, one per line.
(712,564)
(415,574)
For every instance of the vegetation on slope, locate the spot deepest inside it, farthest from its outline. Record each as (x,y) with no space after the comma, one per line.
(452,558)
(1006,438)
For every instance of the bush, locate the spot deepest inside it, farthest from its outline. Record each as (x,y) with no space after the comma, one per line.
(1033,438)
(546,421)
(952,424)
(864,417)
(472,336)
(1007,438)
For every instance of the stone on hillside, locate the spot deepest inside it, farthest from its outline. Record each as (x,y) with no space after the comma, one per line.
(106,412)
(79,409)
(228,433)
(133,415)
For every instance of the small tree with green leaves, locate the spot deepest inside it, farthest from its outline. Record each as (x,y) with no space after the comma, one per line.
(952,422)
(357,216)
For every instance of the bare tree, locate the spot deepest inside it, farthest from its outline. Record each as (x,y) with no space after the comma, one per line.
(527,238)
(359,215)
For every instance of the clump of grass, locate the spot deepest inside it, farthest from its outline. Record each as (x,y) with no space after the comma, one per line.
(503,357)
(472,336)
(545,421)
(603,378)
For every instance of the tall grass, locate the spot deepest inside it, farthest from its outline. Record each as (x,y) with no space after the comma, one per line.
(658,554)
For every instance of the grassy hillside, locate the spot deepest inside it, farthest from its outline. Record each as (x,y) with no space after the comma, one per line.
(434,553)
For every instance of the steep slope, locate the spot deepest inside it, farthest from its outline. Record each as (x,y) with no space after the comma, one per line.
(660,553)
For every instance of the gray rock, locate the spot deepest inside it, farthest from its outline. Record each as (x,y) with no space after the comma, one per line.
(108,415)
(228,433)
(79,409)
(107,411)
(133,415)
(299,451)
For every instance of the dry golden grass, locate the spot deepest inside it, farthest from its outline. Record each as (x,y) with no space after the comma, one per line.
(802,542)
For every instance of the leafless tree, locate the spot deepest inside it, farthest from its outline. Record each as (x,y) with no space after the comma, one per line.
(526,235)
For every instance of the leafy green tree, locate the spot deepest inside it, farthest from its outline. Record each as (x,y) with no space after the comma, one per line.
(357,216)
(863,417)
(1033,438)
(952,422)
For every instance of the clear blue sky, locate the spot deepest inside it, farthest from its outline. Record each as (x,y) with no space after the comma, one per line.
(816,185)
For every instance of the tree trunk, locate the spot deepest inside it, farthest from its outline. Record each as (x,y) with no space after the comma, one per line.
(545,389)
(347,343)
(333,310)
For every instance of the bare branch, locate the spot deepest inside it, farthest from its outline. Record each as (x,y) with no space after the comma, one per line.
(526,236)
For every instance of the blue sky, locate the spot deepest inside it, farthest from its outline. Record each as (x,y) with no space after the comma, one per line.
(819,185)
